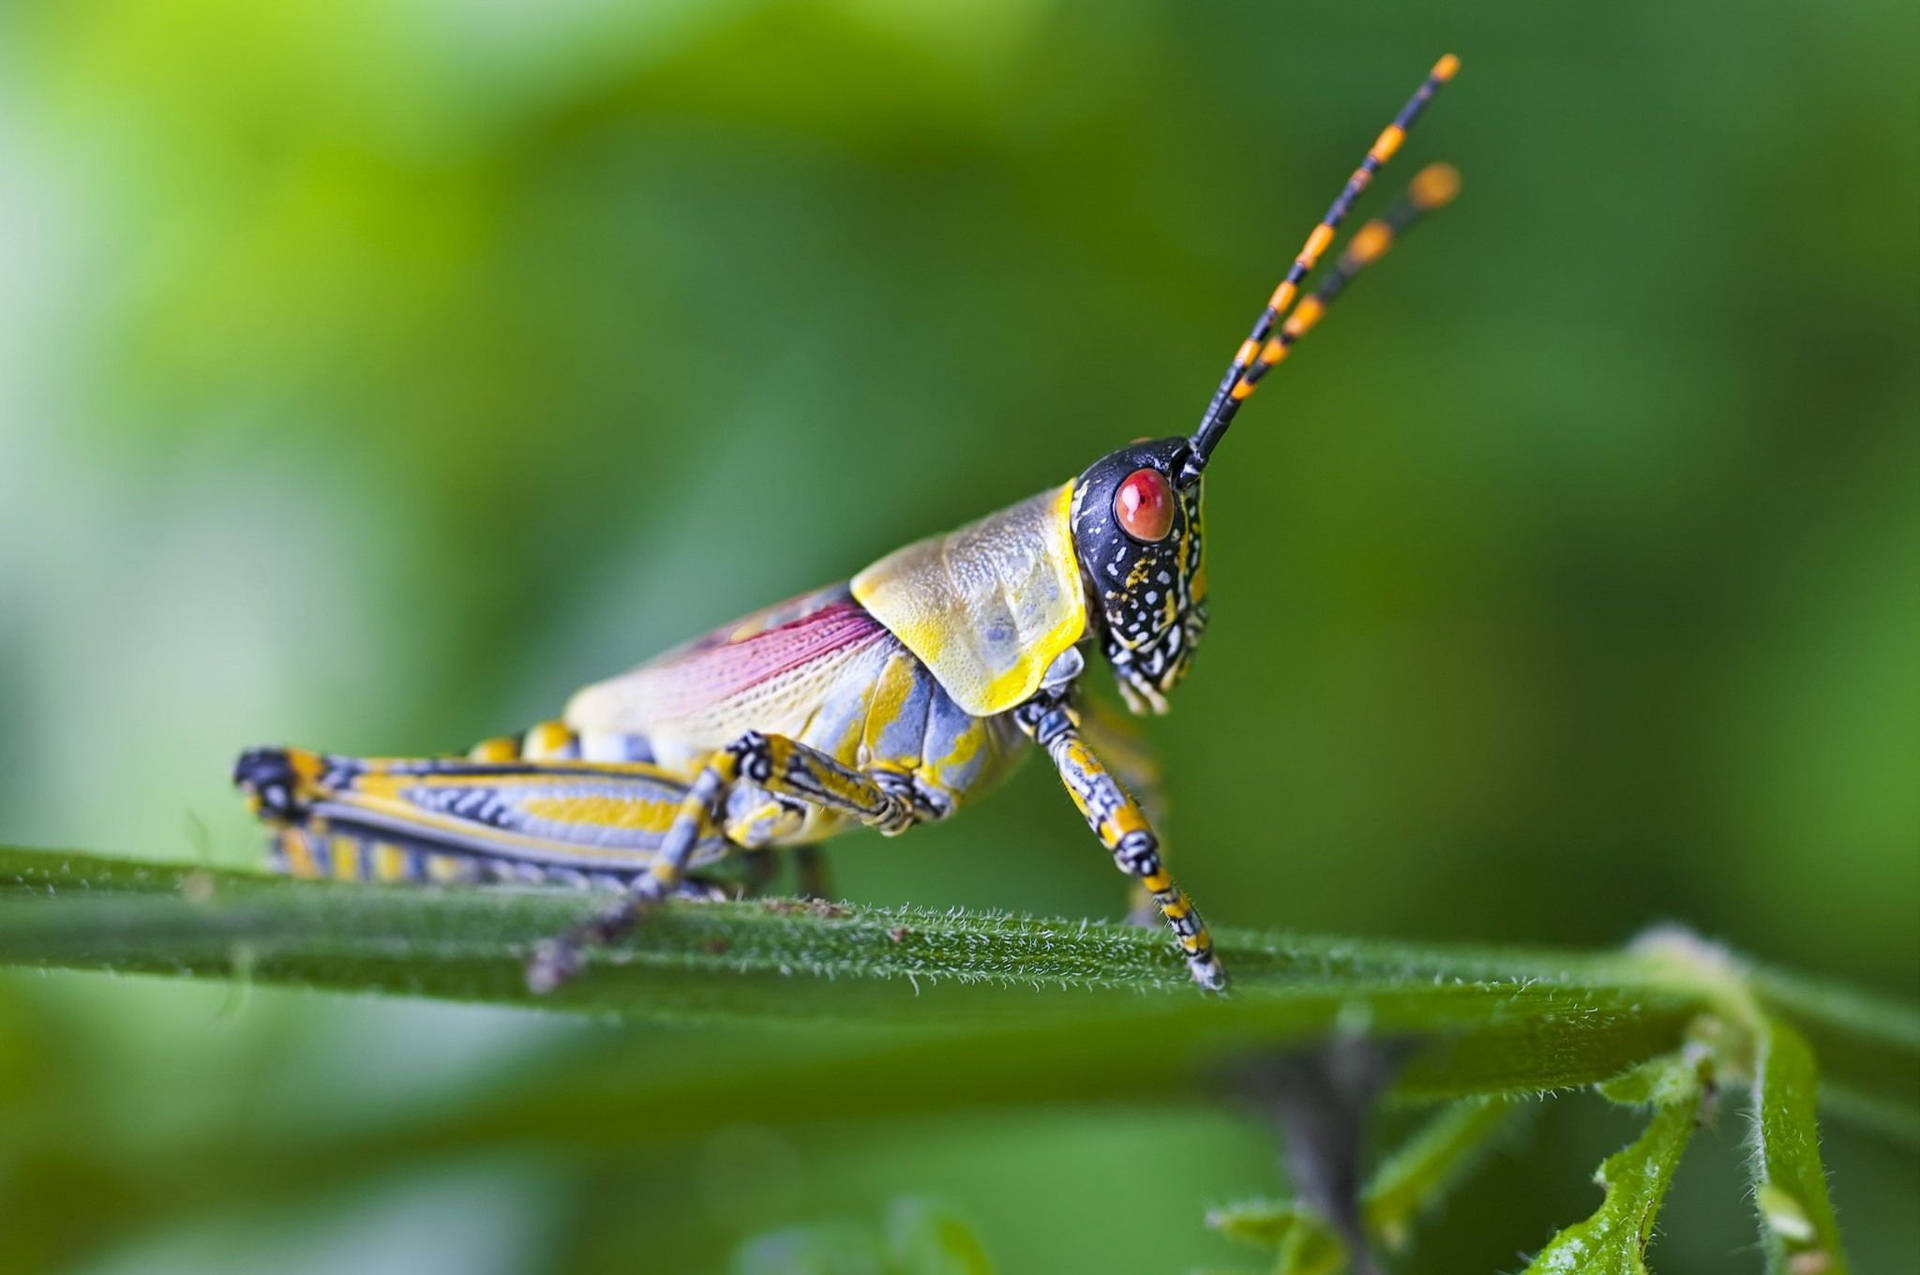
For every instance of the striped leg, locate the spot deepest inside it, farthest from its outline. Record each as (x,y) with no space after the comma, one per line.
(451,819)
(781,766)
(1122,828)
(1118,741)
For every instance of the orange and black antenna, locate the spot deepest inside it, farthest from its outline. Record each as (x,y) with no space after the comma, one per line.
(1433,187)
(1250,361)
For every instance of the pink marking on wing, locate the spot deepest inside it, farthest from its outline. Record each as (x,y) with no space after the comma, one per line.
(711,674)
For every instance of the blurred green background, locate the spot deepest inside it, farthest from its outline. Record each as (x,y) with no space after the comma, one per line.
(374,373)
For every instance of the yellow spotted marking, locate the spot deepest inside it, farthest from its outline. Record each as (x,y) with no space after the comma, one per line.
(1435,186)
(1389,142)
(1304,316)
(548,739)
(499,748)
(1371,241)
(1317,243)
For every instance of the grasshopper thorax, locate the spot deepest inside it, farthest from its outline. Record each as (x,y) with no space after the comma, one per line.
(1137,534)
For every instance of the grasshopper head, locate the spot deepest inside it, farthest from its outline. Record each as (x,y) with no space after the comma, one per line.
(1136,512)
(1136,530)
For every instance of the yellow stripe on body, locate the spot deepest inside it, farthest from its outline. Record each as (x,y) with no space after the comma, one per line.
(966,746)
(299,853)
(501,842)
(628,814)
(389,862)
(886,701)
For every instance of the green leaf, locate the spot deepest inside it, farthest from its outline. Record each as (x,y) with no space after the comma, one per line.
(1485,1022)
(1416,1176)
(1311,1249)
(1797,1227)
(1614,1240)
(872,1012)
(1304,1243)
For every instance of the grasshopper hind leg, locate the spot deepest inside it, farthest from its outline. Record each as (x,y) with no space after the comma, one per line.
(452,819)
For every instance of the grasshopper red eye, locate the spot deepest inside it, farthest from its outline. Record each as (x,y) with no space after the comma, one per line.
(1144,505)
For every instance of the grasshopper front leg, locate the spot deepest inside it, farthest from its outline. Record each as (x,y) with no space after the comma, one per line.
(1122,827)
(783,767)
(1119,742)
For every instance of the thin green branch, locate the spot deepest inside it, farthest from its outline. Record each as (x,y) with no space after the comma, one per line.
(1797,1227)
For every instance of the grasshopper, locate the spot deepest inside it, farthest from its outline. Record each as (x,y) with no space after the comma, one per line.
(884,701)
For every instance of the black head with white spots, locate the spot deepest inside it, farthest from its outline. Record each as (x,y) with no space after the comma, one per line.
(1137,533)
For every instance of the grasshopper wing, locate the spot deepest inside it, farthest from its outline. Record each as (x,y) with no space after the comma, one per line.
(770,672)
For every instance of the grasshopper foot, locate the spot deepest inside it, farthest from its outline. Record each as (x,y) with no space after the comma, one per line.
(1208,973)
(555,961)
